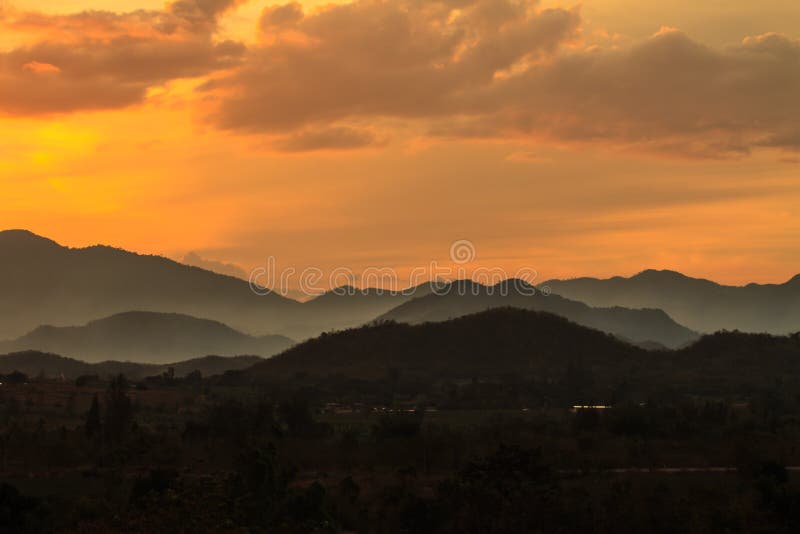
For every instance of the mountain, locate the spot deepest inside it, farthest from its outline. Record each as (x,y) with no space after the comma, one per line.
(33,363)
(347,306)
(43,282)
(700,304)
(146,337)
(494,343)
(466,297)
(532,349)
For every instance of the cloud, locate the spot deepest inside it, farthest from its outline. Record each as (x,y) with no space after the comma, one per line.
(100,60)
(453,69)
(669,94)
(282,16)
(40,68)
(399,58)
(499,69)
(334,138)
(194,259)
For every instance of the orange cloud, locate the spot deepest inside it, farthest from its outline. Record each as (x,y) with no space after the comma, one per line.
(40,68)
(497,69)
(506,70)
(402,58)
(109,60)
(334,138)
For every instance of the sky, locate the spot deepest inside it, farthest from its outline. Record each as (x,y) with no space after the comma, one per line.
(597,138)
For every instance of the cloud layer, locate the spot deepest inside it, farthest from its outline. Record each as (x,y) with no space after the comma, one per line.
(337,77)
(500,69)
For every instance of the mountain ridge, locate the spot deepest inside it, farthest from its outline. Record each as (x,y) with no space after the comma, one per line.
(466,297)
(145,337)
(703,305)
(33,363)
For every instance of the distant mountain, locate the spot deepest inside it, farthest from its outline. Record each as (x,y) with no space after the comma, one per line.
(45,283)
(346,307)
(42,282)
(513,346)
(33,363)
(146,337)
(466,297)
(699,304)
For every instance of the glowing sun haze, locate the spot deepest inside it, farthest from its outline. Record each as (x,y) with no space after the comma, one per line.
(594,139)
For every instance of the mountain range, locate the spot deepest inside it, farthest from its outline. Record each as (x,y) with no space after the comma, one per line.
(466,297)
(699,304)
(44,283)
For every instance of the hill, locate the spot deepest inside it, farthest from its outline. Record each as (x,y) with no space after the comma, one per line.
(33,363)
(493,343)
(700,304)
(146,337)
(531,351)
(466,297)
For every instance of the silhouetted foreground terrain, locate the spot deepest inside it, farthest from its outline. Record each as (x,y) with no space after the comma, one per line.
(33,364)
(699,304)
(534,350)
(462,426)
(146,337)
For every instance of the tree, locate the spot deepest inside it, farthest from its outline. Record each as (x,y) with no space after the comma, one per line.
(119,409)
(93,423)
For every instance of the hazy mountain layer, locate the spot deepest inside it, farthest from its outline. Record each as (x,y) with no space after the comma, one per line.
(146,337)
(42,282)
(699,304)
(465,297)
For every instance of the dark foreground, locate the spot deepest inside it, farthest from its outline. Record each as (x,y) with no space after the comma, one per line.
(194,455)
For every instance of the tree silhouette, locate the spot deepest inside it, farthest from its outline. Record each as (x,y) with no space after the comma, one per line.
(93,423)
(119,409)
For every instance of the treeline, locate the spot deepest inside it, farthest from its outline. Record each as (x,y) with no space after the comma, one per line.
(249,460)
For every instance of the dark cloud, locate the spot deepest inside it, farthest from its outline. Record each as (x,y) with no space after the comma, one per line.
(100,60)
(668,94)
(282,16)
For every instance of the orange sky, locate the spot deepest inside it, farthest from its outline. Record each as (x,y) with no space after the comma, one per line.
(597,139)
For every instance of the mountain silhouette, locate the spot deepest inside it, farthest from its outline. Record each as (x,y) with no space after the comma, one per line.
(34,363)
(146,337)
(43,282)
(465,297)
(511,345)
(348,306)
(700,304)
(492,343)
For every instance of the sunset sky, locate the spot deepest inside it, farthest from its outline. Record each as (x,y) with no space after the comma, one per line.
(594,138)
